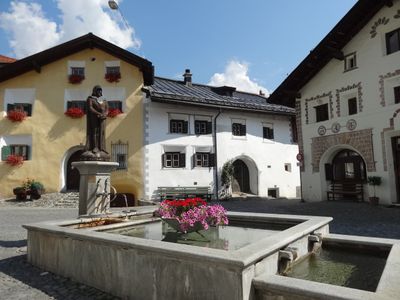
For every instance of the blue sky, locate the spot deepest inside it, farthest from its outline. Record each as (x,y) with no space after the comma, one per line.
(253,44)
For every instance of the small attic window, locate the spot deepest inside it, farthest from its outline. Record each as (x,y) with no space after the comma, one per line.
(224,90)
(350,62)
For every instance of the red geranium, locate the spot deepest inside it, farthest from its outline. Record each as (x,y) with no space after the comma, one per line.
(113,77)
(15,160)
(113,112)
(16,115)
(73,78)
(75,112)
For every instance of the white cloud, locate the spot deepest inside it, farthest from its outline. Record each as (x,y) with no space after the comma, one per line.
(30,31)
(236,75)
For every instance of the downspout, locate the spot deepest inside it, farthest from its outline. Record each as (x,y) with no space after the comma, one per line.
(216,155)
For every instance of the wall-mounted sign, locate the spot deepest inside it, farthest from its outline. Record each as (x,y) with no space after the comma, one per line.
(351,124)
(335,127)
(299,156)
(321,130)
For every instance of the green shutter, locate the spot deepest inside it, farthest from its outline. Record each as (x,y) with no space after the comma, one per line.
(5,152)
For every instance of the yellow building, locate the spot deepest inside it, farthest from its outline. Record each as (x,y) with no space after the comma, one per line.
(48,84)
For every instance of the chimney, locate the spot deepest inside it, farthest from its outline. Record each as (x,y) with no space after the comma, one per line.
(262,93)
(187,78)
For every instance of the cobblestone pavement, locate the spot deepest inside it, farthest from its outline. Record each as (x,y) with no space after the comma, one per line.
(20,280)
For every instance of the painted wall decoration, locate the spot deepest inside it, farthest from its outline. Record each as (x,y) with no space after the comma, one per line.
(348,88)
(380,21)
(382,84)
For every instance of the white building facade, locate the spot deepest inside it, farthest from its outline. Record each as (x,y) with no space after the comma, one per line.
(348,109)
(190,133)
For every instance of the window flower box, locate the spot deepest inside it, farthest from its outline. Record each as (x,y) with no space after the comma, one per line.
(15,160)
(75,112)
(191,214)
(75,78)
(16,115)
(112,77)
(113,112)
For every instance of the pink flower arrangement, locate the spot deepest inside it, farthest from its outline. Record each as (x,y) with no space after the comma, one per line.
(16,115)
(15,160)
(191,212)
(75,112)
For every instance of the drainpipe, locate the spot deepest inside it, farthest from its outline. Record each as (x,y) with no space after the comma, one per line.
(216,154)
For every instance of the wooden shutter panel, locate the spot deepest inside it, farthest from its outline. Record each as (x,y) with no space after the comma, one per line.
(182,160)
(243,129)
(5,152)
(328,172)
(10,106)
(28,108)
(185,126)
(194,161)
(163,160)
(211,160)
(209,127)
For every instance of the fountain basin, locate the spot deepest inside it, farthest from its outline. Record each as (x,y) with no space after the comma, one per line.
(142,268)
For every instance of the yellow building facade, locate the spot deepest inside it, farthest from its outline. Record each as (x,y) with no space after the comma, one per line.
(50,137)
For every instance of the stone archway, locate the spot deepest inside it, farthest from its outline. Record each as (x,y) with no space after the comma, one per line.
(246,175)
(70,176)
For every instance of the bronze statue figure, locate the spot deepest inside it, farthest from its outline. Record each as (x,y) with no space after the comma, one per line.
(96,115)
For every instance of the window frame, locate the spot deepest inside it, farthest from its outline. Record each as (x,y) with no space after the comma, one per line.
(238,129)
(178,126)
(17,149)
(319,114)
(79,71)
(26,107)
(113,70)
(352,106)
(268,133)
(389,50)
(351,57)
(177,160)
(396,91)
(202,127)
(115,104)
(77,104)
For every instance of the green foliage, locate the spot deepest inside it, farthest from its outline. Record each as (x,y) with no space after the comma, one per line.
(227,173)
(374,180)
(32,184)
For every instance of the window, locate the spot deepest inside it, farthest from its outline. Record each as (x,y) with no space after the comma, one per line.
(393,41)
(77,104)
(352,103)
(396,94)
(202,127)
(203,159)
(173,160)
(112,70)
(78,71)
(119,154)
(115,104)
(22,150)
(321,113)
(350,62)
(238,129)
(26,107)
(178,126)
(288,167)
(268,133)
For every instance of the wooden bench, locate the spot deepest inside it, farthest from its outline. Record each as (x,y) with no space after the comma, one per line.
(346,190)
(166,192)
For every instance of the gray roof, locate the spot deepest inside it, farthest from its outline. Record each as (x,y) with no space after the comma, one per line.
(175,91)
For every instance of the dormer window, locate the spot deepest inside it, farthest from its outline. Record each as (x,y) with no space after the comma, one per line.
(350,62)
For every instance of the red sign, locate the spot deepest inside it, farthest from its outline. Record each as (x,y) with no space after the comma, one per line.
(299,156)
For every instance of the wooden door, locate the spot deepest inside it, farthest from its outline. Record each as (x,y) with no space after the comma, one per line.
(241,177)
(396,163)
(73,176)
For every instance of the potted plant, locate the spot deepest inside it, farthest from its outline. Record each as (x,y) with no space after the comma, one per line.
(374,181)
(15,160)
(33,188)
(20,193)
(75,112)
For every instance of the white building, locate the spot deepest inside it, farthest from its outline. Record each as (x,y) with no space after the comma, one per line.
(347,98)
(191,130)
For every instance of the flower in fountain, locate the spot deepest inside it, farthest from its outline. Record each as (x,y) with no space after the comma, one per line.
(193,211)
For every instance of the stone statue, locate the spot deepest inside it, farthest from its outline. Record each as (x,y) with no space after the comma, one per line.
(96,115)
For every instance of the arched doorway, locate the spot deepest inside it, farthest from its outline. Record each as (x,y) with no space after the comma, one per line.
(348,166)
(73,177)
(241,178)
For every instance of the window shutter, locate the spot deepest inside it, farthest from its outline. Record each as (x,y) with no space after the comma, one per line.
(27,149)
(170,125)
(182,160)
(185,126)
(328,172)
(5,152)
(10,106)
(28,108)
(162,160)
(265,133)
(271,133)
(243,129)
(69,104)
(211,160)
(194,161)
(209,127)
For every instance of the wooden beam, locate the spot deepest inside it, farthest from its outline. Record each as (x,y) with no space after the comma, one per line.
(292,93)
(336,53)
(36,66)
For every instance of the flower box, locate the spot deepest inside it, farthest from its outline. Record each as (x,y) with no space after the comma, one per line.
(16,115)
(75,112)
(113,112)
(74,79)
(191,214)
(112,77)
(15,160)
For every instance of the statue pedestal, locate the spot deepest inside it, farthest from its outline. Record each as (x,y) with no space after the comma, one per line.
(94,186)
